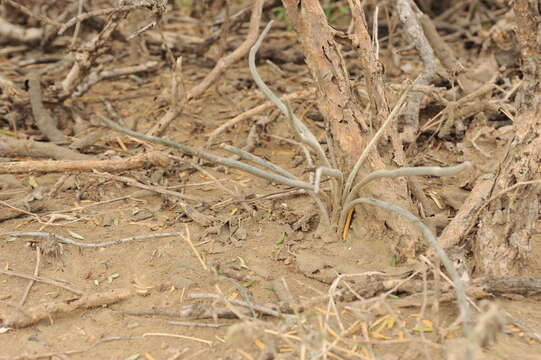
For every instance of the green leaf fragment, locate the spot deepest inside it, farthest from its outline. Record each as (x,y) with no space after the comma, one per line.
(76,236)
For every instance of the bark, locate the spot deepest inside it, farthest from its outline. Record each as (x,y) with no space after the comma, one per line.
(342,111)
(505,228)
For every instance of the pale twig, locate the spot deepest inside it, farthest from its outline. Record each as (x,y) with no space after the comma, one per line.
(78,25)
(328,171)
(408,171)
(32,281)
(209,343)
(140,193)
(99,12)
(304,134)
(259,308)
(459,286)
(375,36)
(494,197)
(211,157)
(96,77)
(188,239)
(158,189)
(373,142)
(143,29)
(53,282)
(215,180)
(64,240)
(30,13)
(417,36)
(19,33)
(221,65)
(196,324)
(256,110)
(511,188)
(88,55)
(259,161)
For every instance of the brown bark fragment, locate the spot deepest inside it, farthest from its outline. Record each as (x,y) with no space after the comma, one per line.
(337,103)
(134,162)
(12,147)
(467,215)
(35,314)
(505,227)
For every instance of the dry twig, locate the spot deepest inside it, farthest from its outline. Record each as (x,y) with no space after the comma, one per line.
(143,160)
(36,313)
(219,69)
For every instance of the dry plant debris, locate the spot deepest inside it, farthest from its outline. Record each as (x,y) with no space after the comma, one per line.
(265,226)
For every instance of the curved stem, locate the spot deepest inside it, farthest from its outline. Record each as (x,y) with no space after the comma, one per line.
(323,170)
(459,286)
(303,133)
(259,161)
(408,171)
(211,157)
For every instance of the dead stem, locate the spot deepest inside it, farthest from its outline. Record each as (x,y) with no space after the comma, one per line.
(65,240)
(221,66)
(392,116)
(417,36)
(36,273)
(457,282)
(408,171)
(52,282)
(301,131)
(255,111)
(211,157)
(43,118)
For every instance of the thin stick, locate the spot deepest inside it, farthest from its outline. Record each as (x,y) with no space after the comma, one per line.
(98,76)
(65,240)
(78,25)
(99,12)
(257,110)
(459,286)
(36,273)
(394,113)
(215,180)
(30,13)
(209,343)
(140,193)
(260,308)
(304,134)
(41,279)
(157,189)
(188,239)
(511,188)
(417,36)
(259,161)
(210,157)
(222,65)
(196,324)
(142,160)
(407,171)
